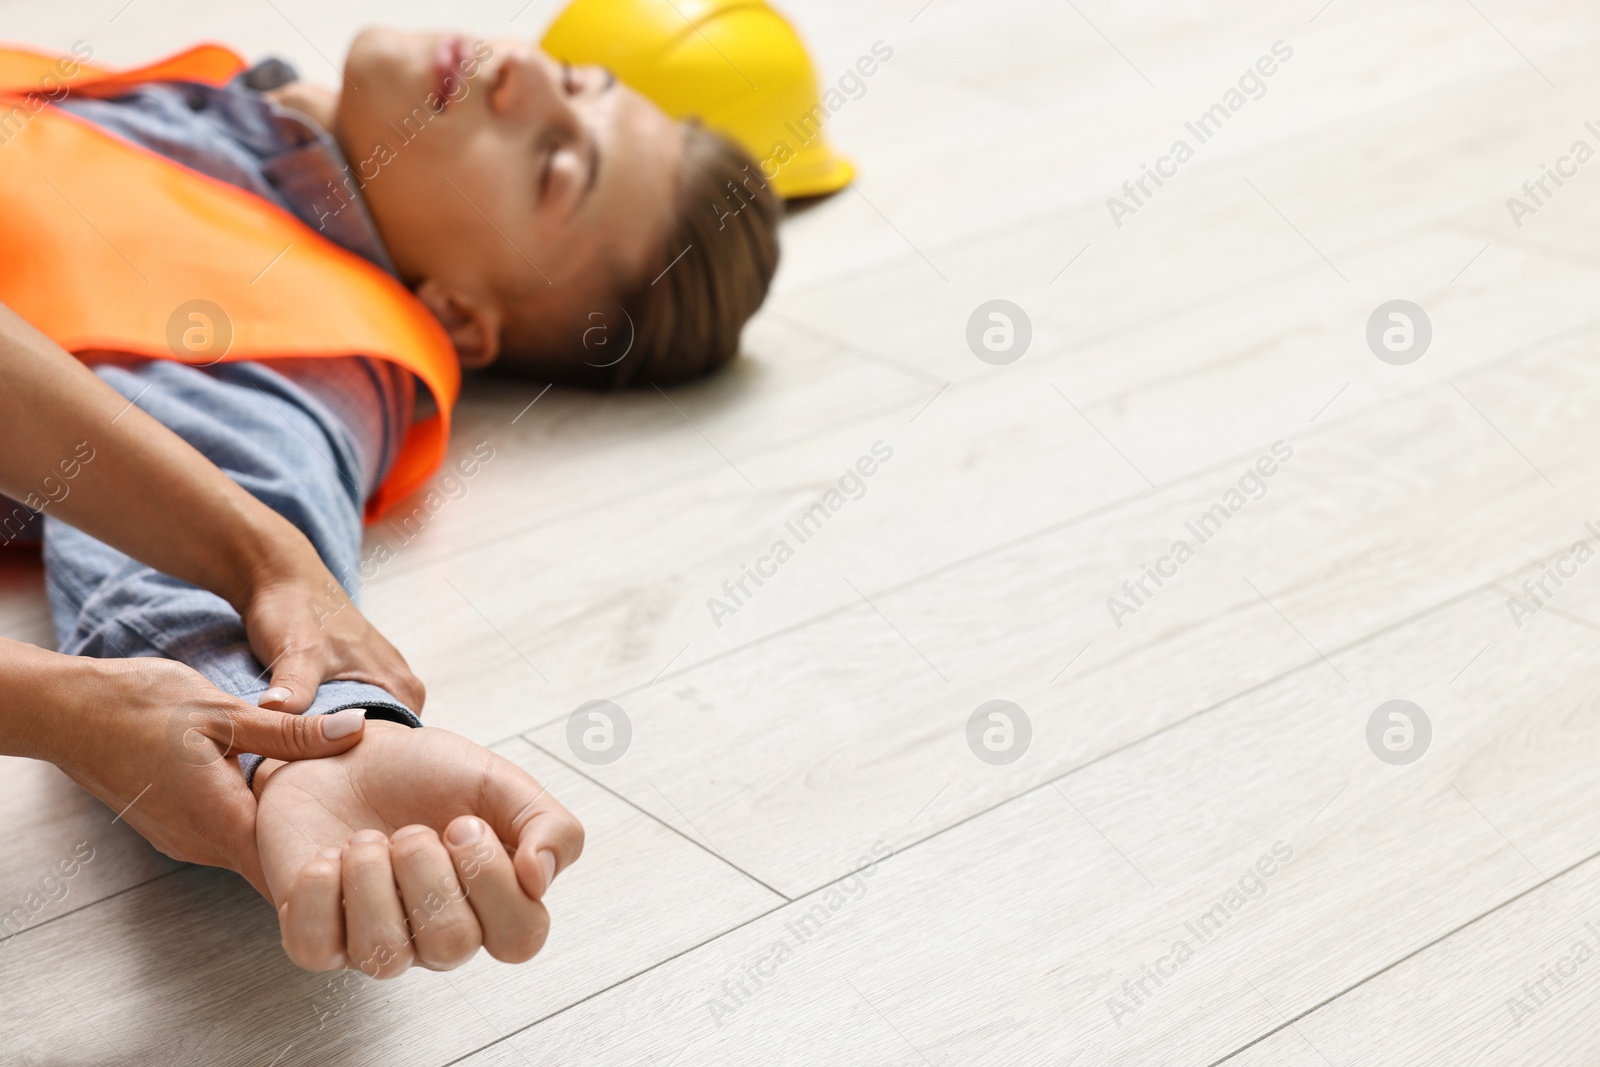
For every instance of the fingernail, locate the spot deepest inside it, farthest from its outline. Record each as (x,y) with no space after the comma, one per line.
(331,854)
(276,695)
(465,831)
(343,723)
(547,863)
(368,836)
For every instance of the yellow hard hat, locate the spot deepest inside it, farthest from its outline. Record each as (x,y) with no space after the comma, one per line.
(736,65)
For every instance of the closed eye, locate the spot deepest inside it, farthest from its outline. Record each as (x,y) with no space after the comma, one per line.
(574,82)
(546,171)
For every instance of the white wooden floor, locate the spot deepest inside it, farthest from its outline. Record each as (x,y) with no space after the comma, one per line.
(1436,912)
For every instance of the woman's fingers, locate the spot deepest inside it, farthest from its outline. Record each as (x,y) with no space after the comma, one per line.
(304,625)
(444,929)
(514,925)
(376,938)
(311,919)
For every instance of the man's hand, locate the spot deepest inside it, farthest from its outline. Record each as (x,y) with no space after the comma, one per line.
(396,852)
(306,630)
(157,742)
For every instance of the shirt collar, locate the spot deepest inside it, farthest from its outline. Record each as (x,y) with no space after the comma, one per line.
(306,167)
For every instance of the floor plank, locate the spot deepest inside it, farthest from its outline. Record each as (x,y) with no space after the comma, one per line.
(1516,986)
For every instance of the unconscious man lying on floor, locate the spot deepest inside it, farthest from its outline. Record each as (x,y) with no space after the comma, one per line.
(460,203)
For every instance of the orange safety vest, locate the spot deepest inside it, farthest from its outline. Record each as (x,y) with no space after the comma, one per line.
(103,244)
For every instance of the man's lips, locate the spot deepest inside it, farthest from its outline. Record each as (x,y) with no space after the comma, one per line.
(447,66)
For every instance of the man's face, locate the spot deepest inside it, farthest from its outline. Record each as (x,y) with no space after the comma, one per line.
(508,188)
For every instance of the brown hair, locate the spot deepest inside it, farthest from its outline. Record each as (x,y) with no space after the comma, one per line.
(709,276)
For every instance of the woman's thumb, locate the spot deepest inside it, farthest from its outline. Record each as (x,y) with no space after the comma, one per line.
(277,735)
(293,686)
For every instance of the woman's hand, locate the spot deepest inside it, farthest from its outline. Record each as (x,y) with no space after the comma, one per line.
(157,743)
(307,631)
(416,846)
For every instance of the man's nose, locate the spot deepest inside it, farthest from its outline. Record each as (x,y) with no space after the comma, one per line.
(530,87)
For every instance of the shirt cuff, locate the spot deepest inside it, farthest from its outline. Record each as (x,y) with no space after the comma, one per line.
(337,696)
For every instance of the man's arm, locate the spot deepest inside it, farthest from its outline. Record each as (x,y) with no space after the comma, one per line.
(140,488)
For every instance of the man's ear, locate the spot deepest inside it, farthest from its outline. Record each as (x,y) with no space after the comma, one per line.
(472,323)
